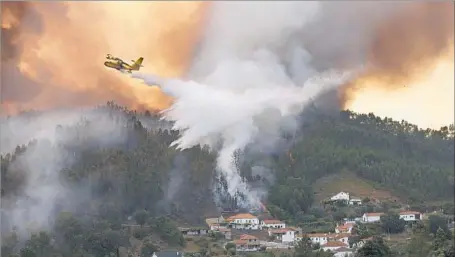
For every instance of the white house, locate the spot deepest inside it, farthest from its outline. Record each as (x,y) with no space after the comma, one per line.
(343,252)
(370,217)
(341,196)
(247,243)
(355,201)
(319,238)
(286,235)
(243,221)
(345,228)
(333,246)
(215,223)
(410,215)
(343,237)
(272,224)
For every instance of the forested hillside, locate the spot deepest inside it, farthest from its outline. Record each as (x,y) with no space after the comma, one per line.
(417,164)
(107,182)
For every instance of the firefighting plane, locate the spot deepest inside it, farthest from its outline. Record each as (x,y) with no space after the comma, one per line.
(120,65)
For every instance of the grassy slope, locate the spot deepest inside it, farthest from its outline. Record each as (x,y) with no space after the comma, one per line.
(344,181)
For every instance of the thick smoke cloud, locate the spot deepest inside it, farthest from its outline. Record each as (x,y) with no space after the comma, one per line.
(59,52)
(33,207)
(257,59)
(249,83)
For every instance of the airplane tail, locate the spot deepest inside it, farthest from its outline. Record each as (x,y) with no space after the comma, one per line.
(138,63)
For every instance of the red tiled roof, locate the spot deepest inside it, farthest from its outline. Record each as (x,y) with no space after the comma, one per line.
(240,242)
(334,244)
(247,237)
(280,230)
(241,216)
(341,235)
(346,226)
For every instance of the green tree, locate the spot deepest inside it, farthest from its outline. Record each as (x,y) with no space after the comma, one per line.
(148,248)
(440,244)
(419,245)
(374,248)
(391,223)
(304,248)
(38,245)
(9,242)
(435,222)
(141,217)
(361,230)
(229,246)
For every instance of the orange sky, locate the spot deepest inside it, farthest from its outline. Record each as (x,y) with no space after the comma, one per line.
(410,74)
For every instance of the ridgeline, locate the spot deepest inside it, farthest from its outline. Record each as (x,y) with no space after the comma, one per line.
(108,184)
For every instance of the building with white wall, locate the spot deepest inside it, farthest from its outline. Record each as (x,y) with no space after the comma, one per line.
(370,217)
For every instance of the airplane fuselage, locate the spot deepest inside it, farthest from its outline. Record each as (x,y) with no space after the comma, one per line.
(118,66)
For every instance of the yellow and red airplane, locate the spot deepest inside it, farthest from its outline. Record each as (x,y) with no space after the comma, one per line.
(120,65)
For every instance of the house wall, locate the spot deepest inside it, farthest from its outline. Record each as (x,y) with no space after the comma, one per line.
(340,196)
(409,217)
(330,248)
(247,249)
(288,237)
(318,240)
(246,223)
(355,202)
(344,240)
(281,225)
(348,230)
(366,218)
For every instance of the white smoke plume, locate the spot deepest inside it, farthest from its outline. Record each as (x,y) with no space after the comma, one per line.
(33,207)
(246,79)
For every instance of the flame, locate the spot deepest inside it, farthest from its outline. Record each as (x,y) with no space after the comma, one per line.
(62,45)
(411,76)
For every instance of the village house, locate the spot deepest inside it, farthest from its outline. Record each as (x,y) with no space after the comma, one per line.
(343,252)
(346,198)
(226,232)
(343,237)
(215,223)
(271,223)
(333,246)
(243,221)
(247,243)
(345,228)
(370,217)
(324,238)
(341,196)
(410,215)
(285,235)
(318,238)
(352,220)
(355,201)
